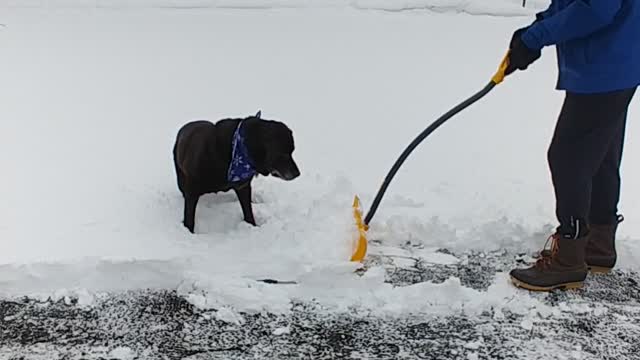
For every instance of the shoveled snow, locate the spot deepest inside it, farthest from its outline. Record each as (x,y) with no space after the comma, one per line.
(229,316)
(92,99)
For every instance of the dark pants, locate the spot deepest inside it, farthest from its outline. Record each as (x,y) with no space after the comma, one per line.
(584,158)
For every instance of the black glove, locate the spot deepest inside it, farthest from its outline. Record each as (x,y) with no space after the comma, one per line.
(520,56)
(517,34)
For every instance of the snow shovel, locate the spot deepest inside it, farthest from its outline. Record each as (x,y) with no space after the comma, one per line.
(360,243)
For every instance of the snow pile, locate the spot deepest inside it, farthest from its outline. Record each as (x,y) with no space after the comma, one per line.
(479,7)
(342,291)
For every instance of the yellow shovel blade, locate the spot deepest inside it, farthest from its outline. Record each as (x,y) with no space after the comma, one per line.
(360,244)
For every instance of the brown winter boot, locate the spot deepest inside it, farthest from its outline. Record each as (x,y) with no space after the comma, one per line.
(564,267)
(600,254)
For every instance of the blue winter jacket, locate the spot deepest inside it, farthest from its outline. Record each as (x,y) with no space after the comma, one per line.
(597,42)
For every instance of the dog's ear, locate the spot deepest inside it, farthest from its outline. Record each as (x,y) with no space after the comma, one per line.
(259,114)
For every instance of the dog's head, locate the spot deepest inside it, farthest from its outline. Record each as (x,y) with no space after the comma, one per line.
(274,146)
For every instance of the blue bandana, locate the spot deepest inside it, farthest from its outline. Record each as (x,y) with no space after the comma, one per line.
(241,167)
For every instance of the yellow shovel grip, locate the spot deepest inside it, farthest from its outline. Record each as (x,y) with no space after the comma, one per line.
(499,76)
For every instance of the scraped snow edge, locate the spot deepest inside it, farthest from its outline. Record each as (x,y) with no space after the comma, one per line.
(369,296)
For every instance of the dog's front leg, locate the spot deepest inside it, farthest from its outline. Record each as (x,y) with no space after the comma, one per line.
(190,204)
(244,196)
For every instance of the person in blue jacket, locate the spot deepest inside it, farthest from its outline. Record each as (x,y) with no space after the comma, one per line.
(598,51)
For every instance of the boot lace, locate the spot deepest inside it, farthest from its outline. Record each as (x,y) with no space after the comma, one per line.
(547,254)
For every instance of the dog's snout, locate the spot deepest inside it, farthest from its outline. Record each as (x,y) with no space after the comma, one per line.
(287,170)
(292,174)
(294,171)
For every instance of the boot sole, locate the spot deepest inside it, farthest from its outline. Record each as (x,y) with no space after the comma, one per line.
(599,270)
(565,286)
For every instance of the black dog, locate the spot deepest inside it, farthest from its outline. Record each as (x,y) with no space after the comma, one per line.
(211,158)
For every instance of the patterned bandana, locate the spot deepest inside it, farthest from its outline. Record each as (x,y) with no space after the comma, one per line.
(241,167)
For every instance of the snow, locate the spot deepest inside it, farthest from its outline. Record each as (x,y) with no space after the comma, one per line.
(281,331)
(527,324)
(122,353)
(477,7)
(229,316)
(344,292)
(92,99)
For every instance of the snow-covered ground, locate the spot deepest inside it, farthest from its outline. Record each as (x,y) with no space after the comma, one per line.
(94,93)
(484,7)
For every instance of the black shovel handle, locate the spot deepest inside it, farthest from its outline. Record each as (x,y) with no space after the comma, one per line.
(497,79)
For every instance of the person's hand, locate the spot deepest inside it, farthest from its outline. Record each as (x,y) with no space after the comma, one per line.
(517,34)
(520,56)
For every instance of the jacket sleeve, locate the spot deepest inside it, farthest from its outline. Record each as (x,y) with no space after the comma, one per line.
(544,14)
(579,19)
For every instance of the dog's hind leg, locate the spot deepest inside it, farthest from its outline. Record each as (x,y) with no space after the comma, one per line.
(180,176)
(244,196)
(190,204)
(181,181)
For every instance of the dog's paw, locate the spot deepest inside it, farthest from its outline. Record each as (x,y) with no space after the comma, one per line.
(251,222)
(189,227)
(245,226)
